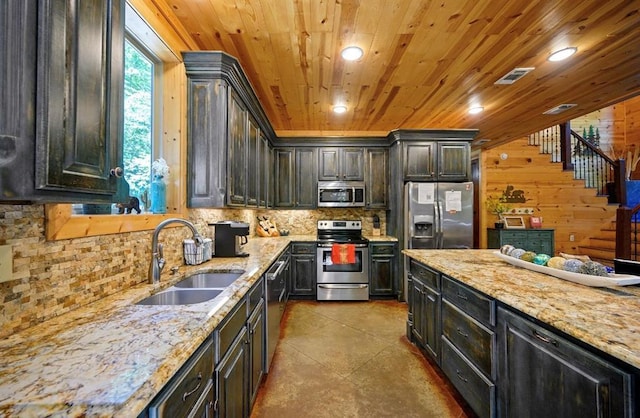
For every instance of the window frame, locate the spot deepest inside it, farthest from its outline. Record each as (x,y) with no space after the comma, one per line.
(169,142)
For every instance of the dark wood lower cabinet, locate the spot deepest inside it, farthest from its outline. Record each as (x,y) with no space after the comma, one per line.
(382,269)
(426,317)
(303,275)
(545,375)
(231,380)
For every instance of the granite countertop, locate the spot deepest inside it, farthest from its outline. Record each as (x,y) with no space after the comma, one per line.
(381,238)
(605,318)
(112,357)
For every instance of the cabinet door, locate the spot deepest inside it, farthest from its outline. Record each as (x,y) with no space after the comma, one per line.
(206,141)
(382,276)
(253,162)
(419,161)
(231,380)
(303,275)
(79,95)
(432,322)
(264,170)
(377,178)
(352,164)
(306,184)
(284,160)
(542,375)
(329,164)
(416,297)
(271,187)
(257,350)
(237,179)
(454,162)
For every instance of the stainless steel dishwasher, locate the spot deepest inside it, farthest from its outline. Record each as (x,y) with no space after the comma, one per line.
(277,295)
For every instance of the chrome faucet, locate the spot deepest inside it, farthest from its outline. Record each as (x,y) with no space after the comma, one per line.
(157,257)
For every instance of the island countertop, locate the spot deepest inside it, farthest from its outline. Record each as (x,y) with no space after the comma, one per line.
(605,318)
(112,357)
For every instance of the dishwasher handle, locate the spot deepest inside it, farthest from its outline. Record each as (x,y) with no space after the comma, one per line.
(271,276)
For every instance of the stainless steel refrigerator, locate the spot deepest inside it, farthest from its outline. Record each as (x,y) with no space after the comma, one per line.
(438,215)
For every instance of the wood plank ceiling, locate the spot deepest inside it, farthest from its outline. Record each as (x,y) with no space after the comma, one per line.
(425,62)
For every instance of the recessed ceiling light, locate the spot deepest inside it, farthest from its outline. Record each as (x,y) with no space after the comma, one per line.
(475,110)
(339,109)
(562,54)
(352,53)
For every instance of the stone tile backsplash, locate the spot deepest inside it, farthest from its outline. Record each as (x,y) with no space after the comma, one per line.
(53,277)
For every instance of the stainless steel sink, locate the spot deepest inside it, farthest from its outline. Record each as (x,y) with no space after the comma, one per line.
(215,279)
(181,297)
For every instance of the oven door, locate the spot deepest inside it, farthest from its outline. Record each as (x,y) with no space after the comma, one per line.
(357,272)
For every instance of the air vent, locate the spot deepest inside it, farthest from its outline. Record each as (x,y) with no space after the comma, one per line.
(514,75)
(559,109)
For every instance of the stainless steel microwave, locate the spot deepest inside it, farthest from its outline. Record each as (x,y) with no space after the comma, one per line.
(340,194)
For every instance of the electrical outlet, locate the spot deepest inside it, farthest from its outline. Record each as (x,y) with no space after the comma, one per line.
(6,263)
(572,237)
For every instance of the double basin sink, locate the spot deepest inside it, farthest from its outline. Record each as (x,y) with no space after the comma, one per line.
(197,288)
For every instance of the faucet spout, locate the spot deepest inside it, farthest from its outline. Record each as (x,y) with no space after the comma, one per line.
(157,258)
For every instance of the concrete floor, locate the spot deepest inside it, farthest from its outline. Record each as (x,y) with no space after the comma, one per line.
(351,359)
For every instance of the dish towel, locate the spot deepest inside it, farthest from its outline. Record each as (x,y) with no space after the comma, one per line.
(343,253)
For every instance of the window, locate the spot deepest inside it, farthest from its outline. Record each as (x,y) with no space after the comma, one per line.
(140,69)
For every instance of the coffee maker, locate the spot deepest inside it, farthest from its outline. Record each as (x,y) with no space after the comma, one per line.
(229,238)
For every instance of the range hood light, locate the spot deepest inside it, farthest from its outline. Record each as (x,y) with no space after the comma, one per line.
(562,54)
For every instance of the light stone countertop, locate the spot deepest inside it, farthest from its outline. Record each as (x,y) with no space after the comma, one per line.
(605,318)
(381,238)
(112,357)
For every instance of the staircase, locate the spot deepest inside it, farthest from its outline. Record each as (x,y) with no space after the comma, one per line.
(601,248)
(596,174)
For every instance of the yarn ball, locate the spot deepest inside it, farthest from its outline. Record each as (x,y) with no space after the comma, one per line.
(506,249)
(541,259)
(517,252)
(528,256)
(572,265)
(593,268)
(556,262)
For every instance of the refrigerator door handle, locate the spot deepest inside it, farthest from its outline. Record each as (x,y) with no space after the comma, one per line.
(440,240)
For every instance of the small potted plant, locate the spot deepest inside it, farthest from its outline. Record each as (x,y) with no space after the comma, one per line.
(498,207)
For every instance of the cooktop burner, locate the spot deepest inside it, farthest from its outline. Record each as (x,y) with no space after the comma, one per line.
(341,231)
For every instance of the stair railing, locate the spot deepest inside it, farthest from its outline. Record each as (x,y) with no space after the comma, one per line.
(587,161)
(627,233)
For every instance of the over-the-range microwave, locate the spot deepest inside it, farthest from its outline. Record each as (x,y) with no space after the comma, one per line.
(340,194)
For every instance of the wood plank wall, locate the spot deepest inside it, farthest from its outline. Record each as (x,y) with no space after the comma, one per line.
(564,203)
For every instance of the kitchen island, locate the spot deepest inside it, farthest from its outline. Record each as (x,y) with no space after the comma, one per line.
(513,341)
(112,357)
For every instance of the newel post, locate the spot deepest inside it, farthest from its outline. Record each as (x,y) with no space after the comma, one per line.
(619,173)
(565,146)
(623,233)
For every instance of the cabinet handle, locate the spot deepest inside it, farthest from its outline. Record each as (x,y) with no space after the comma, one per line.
(459,331)
(187,394)
(461,377)
(544,339)
(461,296)
(116,172)
(215,406)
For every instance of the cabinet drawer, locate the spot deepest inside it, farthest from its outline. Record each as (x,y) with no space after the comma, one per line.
(182,393)
(303,248)
(475,388)
(381,249)
(231,327)
(470,337)
(424,274)
(471,302)
(255,295)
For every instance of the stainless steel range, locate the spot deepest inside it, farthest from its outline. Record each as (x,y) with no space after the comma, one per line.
(343,261)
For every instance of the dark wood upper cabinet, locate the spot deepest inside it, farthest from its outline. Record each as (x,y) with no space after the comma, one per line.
(377,178)
(228,139)
(437,161)
(341,164)
(62,137)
